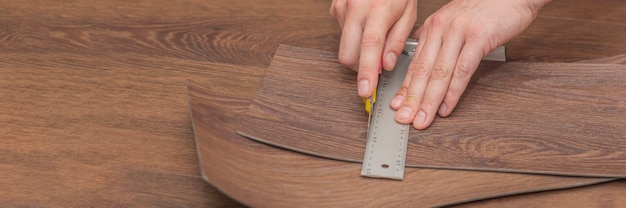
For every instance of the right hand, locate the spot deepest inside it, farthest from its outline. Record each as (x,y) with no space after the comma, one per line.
(372,31)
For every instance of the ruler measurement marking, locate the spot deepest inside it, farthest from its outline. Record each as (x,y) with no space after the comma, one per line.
(386,136)
(385,152)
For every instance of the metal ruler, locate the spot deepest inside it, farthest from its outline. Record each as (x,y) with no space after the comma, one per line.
(385,152)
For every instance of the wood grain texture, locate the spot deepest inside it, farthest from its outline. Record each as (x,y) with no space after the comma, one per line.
(115,135)
(619,59)
(602,11)
(232,32)
(260,175)
(93,97)
(94,109)
(551,39)
(606,195)
(567,116)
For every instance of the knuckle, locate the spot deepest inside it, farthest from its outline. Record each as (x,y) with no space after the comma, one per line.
(476,32)
(462,71)
(411,100)
(458,23)
(399,41)
(438,21)
(369,72)
(352,2)
(441,71)
(371,40)
(401,92)
(420,70)
(346,59)
(491,44)
(454,94)
(336,9)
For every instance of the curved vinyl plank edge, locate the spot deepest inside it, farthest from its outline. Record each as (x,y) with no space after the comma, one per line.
(263,176)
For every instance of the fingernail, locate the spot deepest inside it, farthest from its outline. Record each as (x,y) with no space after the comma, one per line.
(421,117)
(404,113)
(363,87)
(397,101)
(442,108)
(391,58)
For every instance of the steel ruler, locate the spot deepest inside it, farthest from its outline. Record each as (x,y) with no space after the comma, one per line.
(385,152)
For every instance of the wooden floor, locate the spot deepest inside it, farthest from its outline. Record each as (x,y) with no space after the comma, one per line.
(93,107)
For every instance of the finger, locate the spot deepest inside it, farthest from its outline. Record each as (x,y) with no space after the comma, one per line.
(334,8)
(398,99)
(420,68)
(397,37)
(349,46)
(372,43)
(440,78)
(337,11)
(466,65)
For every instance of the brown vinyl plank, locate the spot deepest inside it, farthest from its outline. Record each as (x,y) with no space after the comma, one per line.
(113,131)
(558,118)
(606,195)
(605,11)
(567,40)
(92,94)
(230,32)
(260,175)
(620,59)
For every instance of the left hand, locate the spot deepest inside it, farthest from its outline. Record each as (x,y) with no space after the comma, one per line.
(452,43)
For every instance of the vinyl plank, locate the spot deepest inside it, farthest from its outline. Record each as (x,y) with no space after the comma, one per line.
(248,32)
(601,195)
(79,130)
(620,59)
(608,195)
(229,32)
(90,89)
(567,40)
(556,118)
(607,11)
(260,175)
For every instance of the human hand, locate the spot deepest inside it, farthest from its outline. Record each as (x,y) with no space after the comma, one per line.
(372,30)
(452,42)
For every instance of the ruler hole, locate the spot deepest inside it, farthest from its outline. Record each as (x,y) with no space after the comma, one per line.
(385,166)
